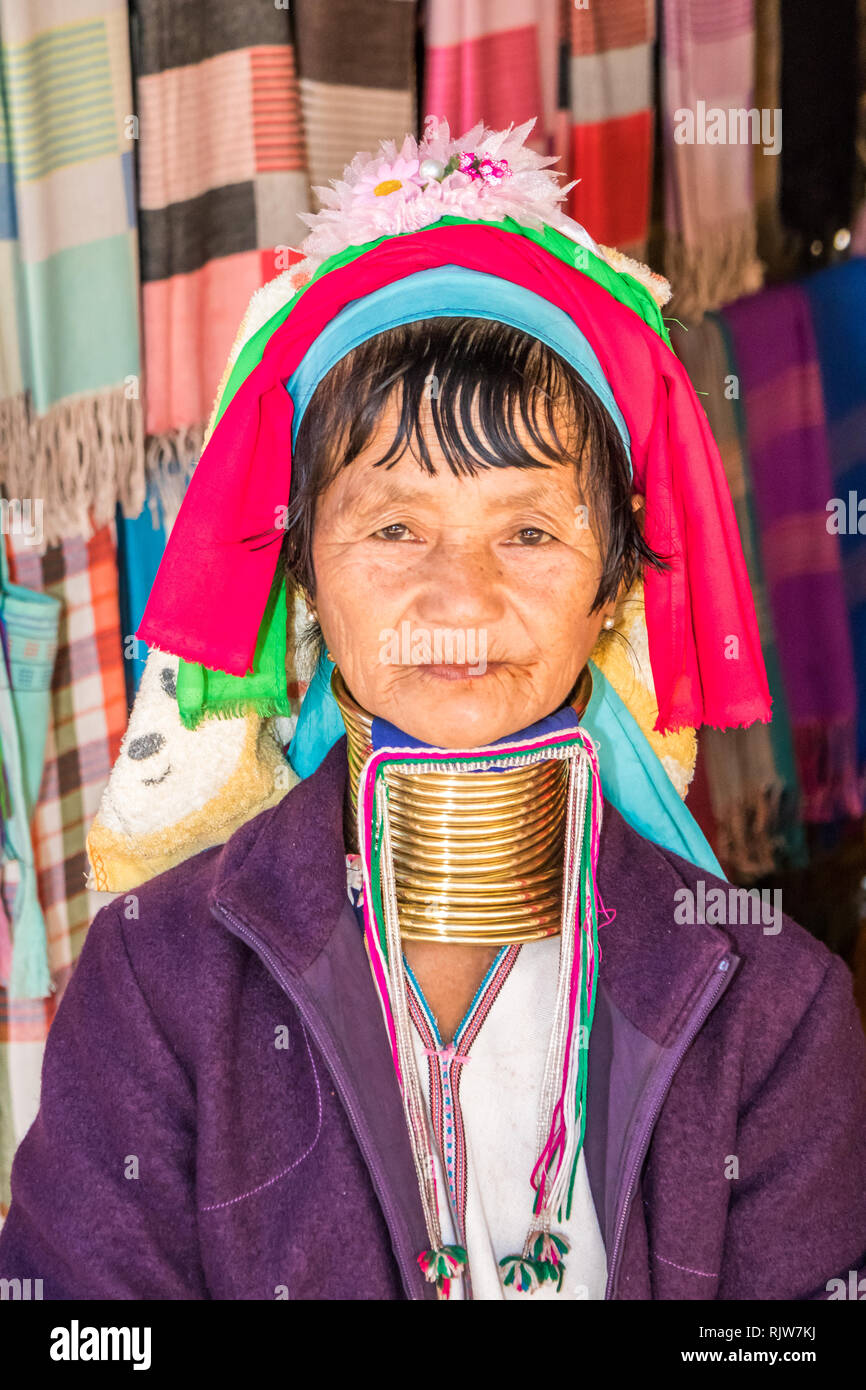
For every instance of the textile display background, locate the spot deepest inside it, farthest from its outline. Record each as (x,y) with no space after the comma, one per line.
(213,209)
(70,417)
(606,66)
(278,102)
(88,717)
(130,252)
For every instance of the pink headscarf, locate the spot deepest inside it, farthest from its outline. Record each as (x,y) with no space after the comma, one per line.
(210,593)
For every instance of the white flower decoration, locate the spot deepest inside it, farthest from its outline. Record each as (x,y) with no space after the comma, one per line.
(405,190)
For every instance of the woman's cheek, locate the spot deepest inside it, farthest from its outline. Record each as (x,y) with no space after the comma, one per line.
(561,579)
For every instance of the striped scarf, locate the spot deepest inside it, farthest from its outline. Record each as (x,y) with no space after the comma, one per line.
(70,411)
(751,773)
(213,210)
(279,100)
(607,93)
(786,430)
(494,61)
(707,64)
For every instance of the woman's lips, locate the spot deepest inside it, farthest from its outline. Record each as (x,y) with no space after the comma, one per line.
(458,673)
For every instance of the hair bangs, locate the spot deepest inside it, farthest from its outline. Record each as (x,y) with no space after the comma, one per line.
(491,396)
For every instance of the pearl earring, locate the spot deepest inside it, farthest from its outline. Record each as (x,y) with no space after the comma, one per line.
(608,622)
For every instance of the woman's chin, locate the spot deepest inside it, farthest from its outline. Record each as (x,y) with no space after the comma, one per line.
(450,710)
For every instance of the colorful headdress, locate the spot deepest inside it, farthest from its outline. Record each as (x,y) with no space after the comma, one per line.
(447,221)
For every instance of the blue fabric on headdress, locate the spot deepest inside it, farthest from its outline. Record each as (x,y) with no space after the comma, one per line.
(632,778)
(449,291)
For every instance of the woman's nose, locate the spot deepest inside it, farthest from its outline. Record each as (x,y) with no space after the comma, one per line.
(145,746)
(461,587)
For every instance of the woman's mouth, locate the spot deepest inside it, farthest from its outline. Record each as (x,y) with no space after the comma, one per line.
(455,672)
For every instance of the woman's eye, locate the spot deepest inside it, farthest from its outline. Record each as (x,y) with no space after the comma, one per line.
(397,531)
(533,535)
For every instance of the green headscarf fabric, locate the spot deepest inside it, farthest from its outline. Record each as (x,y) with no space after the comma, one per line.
(202,692)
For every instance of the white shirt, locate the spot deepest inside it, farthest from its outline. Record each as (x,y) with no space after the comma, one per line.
(484,1120)
(486,1116)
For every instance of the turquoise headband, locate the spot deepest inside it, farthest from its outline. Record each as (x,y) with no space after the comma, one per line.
(466,294)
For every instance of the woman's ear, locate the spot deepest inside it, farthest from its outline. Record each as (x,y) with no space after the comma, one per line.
(308,599)
(638,506)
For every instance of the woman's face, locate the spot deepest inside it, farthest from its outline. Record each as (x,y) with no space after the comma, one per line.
(457,608)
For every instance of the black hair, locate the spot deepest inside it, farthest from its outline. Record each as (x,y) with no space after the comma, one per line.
(497,398)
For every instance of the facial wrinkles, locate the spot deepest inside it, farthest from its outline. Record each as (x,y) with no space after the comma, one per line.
(456,572)
(460,566)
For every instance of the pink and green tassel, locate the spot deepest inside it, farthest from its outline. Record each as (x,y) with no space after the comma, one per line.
(442,1266)
(542,1261)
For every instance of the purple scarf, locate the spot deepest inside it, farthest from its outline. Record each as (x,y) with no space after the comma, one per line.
(780,387)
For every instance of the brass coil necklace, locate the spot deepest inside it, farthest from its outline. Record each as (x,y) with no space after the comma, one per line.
(478,856)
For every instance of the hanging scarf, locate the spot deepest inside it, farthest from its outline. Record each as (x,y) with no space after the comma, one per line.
(707,66)
(216,215)
(837,298)
(28,631)
(780,385)
(608,91)
(752,776)
(71,432)
(356,75)
(496,62)
(140,547)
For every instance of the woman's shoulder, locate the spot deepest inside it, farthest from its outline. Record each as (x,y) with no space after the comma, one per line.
(679,894)
(162,933)
(784,984)
(171,926)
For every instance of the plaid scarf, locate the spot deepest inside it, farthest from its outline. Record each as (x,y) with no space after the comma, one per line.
(87,722)
(70,414)
(780,385)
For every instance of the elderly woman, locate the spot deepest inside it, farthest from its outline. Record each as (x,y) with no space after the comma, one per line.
(441,1022)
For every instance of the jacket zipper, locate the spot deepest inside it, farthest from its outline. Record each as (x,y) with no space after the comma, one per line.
(404,1261)
(710,994)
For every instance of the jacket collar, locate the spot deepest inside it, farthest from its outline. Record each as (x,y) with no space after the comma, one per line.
(285,873)
(282,878)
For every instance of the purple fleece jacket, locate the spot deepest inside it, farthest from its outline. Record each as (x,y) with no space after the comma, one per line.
(181,1152)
